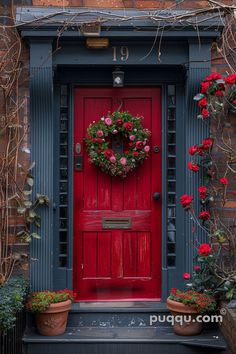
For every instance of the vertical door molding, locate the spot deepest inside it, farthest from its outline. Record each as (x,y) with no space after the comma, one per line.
(195,130)
(41,136)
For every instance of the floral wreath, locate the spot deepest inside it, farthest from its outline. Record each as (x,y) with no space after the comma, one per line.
(135,138)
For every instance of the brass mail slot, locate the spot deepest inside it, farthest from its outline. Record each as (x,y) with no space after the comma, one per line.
(116,223)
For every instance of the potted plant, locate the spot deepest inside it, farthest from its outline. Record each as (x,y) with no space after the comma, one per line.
(186,306)
(51,310)
(200,296)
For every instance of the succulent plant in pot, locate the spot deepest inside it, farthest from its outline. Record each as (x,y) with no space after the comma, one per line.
(51,310)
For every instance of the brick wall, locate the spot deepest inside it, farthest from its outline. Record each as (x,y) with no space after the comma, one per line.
(140,4)
(13,103)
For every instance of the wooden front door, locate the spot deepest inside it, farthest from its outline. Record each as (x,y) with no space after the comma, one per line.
(117,264)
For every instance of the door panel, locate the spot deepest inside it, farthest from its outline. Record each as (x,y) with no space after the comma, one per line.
(117,264)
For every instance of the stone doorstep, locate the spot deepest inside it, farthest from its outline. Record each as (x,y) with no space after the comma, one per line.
(124,323)
(211,338)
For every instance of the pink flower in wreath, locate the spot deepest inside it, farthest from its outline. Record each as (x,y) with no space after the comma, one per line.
(108,121)
(139,145)
(128,126)
(146,148)
(108,153)
(99,133)
(132,137)
(112,159)
(123,161)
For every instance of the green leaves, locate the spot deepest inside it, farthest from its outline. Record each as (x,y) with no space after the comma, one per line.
(30,181)
(198,97)
(42,199)
(21,210)
(28,209)
(12,296)
(39,301)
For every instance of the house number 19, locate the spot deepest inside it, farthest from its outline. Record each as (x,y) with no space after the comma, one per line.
(122,52)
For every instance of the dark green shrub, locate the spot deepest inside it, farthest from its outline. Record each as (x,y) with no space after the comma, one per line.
(12,298)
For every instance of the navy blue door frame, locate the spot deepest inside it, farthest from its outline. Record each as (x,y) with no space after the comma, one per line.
(184,64)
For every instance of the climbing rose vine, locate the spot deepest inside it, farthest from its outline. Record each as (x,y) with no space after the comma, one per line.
(214,159)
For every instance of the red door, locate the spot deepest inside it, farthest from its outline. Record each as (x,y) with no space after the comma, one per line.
(117,264)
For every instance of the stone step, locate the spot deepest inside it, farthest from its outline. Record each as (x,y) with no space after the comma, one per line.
(123,340)
(118,314)
(121,328)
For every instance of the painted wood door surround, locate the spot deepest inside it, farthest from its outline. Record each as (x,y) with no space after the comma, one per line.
(117,264)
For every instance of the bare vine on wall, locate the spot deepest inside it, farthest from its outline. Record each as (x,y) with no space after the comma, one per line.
(17,210)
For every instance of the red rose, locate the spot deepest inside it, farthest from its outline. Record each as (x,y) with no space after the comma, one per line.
(186,200)
(119,122)
(192,150)
(213,76)
(230,79)
(196,267)
(224,181)
(126,152)
(202,103)
(201,151)
(108,153)
(186,276)
(205,86)
(193,167)
(128,126)
(218,93)
(221,87)
(202,191)
(135,153)
(234,192)
(205,113)
(97,140)
(204,215)
(139,145)
(234,102)
(173,291)
(207,143)
(204,249)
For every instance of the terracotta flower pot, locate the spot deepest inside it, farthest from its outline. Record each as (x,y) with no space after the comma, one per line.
(187,324)
(53,321)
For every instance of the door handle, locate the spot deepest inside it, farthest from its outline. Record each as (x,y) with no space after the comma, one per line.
(156,196)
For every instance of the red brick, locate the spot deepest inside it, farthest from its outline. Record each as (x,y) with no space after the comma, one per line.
(152,4)
(104,3)
(76,3)
(230,204)
(51,3)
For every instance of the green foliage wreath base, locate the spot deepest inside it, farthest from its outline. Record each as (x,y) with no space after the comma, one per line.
(98,145)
